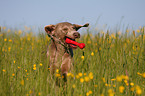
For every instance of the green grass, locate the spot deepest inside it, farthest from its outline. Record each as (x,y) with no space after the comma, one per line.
(110,61)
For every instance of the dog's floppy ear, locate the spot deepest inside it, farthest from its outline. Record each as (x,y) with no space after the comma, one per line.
(79,26)
(49,28)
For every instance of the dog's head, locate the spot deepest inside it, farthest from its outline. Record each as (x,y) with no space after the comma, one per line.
(64,30)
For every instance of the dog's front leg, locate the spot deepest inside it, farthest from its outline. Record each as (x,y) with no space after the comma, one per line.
(66,64)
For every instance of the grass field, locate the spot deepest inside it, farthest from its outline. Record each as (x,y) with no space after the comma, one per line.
(113,64)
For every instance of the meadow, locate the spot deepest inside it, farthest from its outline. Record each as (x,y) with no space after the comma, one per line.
(112,64)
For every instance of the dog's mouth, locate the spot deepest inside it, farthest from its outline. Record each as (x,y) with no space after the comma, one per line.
(71,45)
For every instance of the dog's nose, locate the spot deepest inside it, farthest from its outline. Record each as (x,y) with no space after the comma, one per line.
(76,35)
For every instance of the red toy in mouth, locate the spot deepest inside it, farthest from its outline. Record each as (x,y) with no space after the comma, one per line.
(74,44)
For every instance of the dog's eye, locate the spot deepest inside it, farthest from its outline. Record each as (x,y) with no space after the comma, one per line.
(65,29)
(73,27)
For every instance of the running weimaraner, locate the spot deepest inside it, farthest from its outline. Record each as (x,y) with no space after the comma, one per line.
(59,51)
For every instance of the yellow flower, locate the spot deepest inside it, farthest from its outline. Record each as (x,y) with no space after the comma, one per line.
(5,39)
(22,82)
(28,38)
(132,89)
(91,75)
(125,45)
(13,74)
(103,79)
(9,48)
(132,84)
(77,76)
(125,77)
(126,82)
(87,79)
(92,54)
(110,92)
(138,90)
(139,73)
(19,67)
(20,31)
(82,57)
(100,49)
(72,75)
(114,85)
(113,36)
(113,79)
(87,94)
(85,74)
(68,74)
(34,68)
(106,84)
(96,44)
(74,86)
(119,78)
(81,80)
(137,30)
(89,42)
(80,74)
(10,40)
(133,48)
(143,75)
(34,65)
(57,70)
(95,85)
(40,64)
(121,89)
(39,93)
(57,75)
(4,70)
(90,92)
(4,28)
(30,91)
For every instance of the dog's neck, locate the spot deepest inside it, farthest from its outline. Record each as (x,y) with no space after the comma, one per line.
(60,45)
(62,48)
